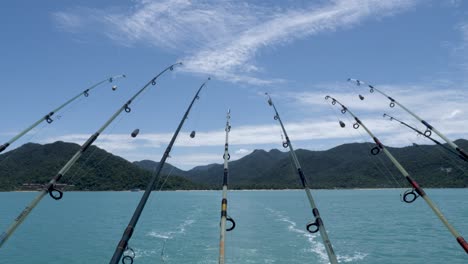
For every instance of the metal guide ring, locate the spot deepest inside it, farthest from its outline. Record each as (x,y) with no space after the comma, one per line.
(311,224)
(356,125)
(410,196)
(375,150)
(229,219)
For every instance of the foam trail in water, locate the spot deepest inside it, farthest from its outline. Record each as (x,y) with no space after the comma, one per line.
(316,246)
(171,234)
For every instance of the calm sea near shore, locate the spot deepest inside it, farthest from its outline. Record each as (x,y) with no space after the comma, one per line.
(365,226)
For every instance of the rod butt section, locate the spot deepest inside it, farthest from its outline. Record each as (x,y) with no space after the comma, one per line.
(463,243)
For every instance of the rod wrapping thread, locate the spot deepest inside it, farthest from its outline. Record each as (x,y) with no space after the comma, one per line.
(89,142)
(463,243)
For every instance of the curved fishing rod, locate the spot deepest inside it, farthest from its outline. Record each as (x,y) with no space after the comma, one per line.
(123,244)
(318,223)
(410,195)
(391,118)
(429,128)
(48,117)
(50,187)
(224,216)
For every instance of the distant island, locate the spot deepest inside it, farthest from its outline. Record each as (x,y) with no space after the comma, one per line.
(346,166)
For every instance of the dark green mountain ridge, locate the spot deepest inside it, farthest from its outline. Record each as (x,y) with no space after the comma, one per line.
(345,166)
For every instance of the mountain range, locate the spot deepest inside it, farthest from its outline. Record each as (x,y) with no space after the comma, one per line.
(345,166)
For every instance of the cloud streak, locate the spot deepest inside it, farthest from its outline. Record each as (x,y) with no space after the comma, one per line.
(223,38)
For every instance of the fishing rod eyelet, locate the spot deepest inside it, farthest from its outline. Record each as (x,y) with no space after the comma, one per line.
(410,196)
(171,68)
(48,119)
(428,133)
(312,224)
(111,79)
(153,82)
(375,150)
(343,111)
(392,104)
(285,144)
(356,125)
(55,193)
(275,117)
(371,90)
(127,109)
(327,97)
(129,255)
(333,102)
(228,156)
(233,224)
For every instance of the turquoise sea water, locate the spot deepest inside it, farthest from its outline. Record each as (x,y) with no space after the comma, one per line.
(365,226)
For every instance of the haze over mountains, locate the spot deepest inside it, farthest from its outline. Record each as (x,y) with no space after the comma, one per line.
(345,166)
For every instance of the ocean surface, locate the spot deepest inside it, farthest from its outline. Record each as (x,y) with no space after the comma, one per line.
(365,226)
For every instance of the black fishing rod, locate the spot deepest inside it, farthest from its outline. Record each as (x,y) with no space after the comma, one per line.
(50,188)
(391,118)
(318,223)
(123,244)
(224,216)
(416,191)
(429,128)
(48,117)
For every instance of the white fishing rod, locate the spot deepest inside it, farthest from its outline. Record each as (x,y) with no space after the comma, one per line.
(318,223)
(410,195)
(50,188)
(429,128)
(48,117)
(224,217)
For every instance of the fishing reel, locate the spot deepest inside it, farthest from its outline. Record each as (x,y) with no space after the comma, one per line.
(129,255)
(409,196)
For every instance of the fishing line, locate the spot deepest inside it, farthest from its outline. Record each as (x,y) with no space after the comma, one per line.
(122,246)
(49,116)
(80,168)
(51,188)
(317,225)
(412,194)
(365,146)
(429,128)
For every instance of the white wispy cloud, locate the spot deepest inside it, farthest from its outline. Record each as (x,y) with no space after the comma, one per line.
(223,38)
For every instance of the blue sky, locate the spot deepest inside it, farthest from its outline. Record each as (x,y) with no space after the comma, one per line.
(298,51)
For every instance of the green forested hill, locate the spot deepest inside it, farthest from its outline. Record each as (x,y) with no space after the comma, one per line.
(95,170)
(345,166)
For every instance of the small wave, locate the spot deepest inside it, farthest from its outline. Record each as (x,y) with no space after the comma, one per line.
(315,247)
(180,229)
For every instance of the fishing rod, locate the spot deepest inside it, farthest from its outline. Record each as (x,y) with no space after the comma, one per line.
(123,244)
(416,191)
(50,188)
(391,118)
(429,128)
(224,216)
(48,117)
(318,223)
